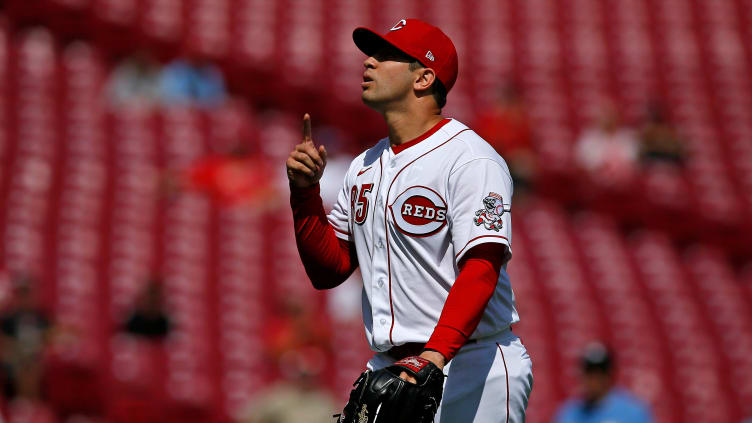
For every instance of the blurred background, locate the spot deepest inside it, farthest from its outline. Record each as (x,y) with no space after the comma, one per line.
(148,270)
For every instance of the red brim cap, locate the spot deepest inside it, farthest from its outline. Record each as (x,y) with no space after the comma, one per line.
(419,40)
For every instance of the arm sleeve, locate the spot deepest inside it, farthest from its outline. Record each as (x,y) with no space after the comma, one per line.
(328,259)
(480,203)
(467,299)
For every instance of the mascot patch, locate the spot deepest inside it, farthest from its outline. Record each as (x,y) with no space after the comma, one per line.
(490,215)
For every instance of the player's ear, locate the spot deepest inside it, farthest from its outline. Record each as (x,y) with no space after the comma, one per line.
(424,79)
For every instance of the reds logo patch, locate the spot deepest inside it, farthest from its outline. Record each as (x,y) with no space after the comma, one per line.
(490,215)
(419,211)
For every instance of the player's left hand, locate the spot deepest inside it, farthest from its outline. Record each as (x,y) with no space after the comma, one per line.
(432,356)
(381,396)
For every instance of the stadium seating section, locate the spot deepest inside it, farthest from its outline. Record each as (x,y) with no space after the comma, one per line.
(656,270)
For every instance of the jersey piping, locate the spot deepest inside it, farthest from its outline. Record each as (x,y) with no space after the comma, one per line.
(506,374)
(386,227)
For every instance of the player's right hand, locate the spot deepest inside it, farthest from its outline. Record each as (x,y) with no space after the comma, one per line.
(306,163)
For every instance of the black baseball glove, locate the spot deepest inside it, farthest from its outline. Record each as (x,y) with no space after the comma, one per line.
(381,396)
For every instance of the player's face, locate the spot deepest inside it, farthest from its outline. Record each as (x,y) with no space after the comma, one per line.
(387,79)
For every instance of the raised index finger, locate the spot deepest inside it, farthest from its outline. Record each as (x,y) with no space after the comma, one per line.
(307,128)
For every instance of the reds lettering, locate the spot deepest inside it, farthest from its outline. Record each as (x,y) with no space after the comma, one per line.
(425,212)
(419,211)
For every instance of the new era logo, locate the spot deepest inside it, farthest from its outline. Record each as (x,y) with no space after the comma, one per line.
(429,56)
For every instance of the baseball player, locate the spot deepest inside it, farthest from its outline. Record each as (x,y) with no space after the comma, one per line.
(425,213)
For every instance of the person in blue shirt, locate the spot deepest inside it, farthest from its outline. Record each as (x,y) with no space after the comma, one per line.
(192,81)
(602,401)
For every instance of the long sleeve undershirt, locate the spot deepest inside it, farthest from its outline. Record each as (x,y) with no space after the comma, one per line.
(328,260)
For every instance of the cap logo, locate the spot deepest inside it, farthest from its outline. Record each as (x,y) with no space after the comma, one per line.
(429,56)
(399,25)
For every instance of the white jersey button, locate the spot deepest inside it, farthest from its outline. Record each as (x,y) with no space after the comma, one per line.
(380,244)
(381,283)
(383,322)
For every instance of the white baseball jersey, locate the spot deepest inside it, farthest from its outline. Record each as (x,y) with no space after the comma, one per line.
(412,216)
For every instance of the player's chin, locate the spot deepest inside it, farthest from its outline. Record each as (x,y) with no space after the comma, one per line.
(368,98)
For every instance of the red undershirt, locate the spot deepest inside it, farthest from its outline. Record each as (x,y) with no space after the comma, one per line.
(329,261)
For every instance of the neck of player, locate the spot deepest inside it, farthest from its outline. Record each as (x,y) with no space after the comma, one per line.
(410,123)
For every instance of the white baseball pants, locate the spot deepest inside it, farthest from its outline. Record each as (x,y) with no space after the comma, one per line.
(489,381)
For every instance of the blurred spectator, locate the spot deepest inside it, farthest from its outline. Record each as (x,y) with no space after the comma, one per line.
(601,401)
(291,403)
(608,151)
(299,343)
(24,335)
(659,140)
(149,318)
(506,126)
(134,82)
(192,81)
(298,340)
(234,178)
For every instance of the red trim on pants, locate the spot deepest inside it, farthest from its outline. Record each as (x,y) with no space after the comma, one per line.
(506,373)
